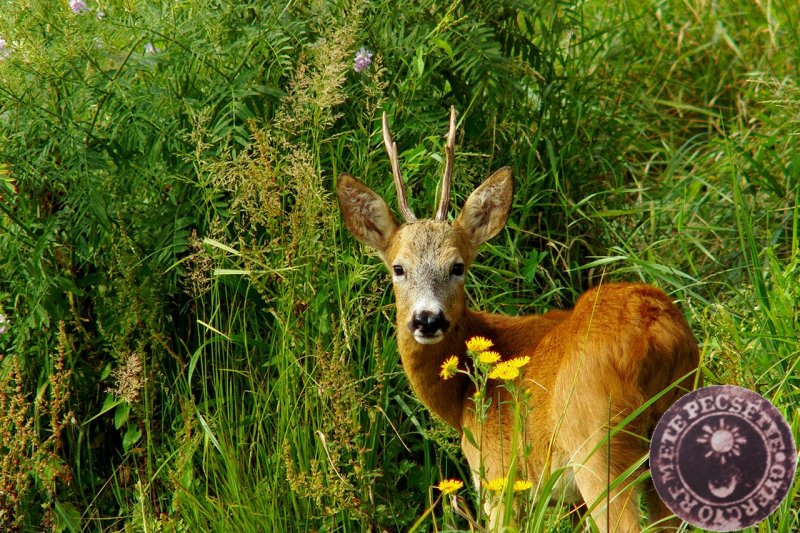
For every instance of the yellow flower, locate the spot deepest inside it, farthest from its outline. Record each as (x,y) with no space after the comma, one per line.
(489,357)
(450,486)
(521,485)
(449,367)
(519,362)
(504,371)
(479,344)
(496,485)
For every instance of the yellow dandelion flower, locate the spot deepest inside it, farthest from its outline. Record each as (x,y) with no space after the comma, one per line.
(449,367)
(489,357)
(522,485)
(519,362)
(504,371)
(496,485)
(450,486)
(479,344)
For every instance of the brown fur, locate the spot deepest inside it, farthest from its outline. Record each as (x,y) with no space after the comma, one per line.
(621,345)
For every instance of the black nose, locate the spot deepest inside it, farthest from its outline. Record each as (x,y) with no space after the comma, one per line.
(428,323)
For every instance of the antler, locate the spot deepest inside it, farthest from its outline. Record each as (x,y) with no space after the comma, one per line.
(450,148)
(391,150)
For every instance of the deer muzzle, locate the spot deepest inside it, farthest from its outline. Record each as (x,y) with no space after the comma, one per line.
(428,327)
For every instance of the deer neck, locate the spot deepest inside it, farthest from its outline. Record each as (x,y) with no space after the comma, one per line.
(423,363)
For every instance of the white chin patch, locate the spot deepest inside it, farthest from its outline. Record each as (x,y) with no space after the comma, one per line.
(427,339)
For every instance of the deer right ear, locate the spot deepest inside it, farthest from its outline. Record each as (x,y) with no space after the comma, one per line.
(486,210)
(365,213)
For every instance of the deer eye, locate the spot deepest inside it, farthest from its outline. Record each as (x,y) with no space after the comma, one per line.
(398,270)
(458,269)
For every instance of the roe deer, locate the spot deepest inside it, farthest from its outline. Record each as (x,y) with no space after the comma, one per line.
(621,345)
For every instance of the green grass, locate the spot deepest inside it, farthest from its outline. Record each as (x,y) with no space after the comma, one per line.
(195,341)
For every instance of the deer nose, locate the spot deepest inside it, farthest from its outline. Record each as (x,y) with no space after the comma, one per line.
(428,323)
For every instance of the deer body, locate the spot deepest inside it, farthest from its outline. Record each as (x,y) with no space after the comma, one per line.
(621,345)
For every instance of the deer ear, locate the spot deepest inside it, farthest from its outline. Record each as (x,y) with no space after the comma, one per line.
(486,210)
(365,213)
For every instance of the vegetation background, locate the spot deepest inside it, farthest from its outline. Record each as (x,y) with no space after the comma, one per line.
(191,341)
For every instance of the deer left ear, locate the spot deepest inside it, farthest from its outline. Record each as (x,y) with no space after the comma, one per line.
(365,213)
(486,210)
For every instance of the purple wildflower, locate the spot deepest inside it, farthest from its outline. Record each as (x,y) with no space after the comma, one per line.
(149,48)
(78,6)
(3,323)
(362,60)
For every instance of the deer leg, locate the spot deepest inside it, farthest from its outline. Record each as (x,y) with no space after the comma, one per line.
(612,509)
(492,506)
(612,501)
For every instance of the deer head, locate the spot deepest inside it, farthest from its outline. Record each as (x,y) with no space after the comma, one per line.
(428,258)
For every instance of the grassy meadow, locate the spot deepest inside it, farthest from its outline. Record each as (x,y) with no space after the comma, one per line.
(192,341)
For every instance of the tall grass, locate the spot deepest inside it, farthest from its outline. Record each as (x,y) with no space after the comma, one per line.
(227,357)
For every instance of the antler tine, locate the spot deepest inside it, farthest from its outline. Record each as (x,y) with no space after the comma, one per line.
(450,149)
(391,150)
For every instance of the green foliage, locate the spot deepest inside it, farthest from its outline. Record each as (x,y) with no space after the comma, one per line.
(227,359)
